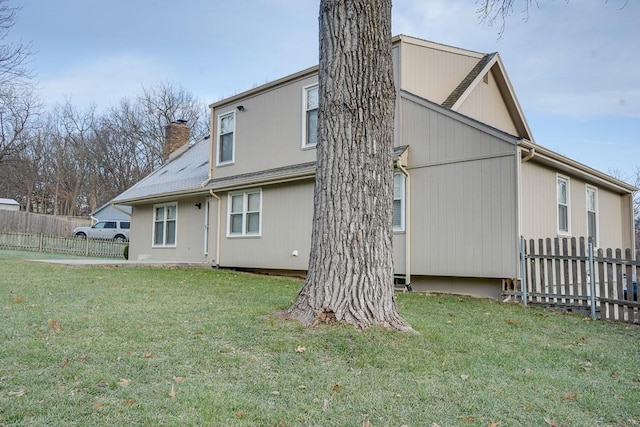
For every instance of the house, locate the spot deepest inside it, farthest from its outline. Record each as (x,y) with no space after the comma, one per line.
(110,211)
(9,205)
(470,179)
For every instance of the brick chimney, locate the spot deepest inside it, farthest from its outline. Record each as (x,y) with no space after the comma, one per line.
(176,135)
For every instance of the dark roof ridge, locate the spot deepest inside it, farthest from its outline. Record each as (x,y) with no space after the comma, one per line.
(466,82)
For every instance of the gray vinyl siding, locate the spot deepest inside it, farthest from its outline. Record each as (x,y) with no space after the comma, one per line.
(189,233)
(287,212)
(268,132)
(539,208)
(463,196)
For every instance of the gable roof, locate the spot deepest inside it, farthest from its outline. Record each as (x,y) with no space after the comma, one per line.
(182,175)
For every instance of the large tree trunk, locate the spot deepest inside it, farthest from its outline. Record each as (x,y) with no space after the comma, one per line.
(350,277)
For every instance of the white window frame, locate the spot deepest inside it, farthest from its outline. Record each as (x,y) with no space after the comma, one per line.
(403,200)
(567,204)
(305,109)
(219,162)
(589,188)
(244,213)
(164,222)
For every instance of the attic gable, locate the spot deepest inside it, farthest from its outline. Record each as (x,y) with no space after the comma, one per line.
(490,64)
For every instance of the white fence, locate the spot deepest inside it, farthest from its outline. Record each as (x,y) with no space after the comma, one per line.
(64,245)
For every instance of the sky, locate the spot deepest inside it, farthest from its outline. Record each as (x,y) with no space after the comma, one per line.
(574,64)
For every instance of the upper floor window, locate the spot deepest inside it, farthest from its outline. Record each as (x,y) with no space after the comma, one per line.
(310,120)
(592,214)
(398,201)
(226,140)
(165,218)
(563,204)
(244,213)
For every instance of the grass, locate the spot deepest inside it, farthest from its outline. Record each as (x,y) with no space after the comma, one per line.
(154,346)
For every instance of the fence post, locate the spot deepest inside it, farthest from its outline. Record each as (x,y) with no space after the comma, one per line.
(523,270)
(592,286)
(86,250)
(40,238)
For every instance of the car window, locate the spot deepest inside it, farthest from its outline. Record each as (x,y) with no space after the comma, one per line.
(125,225)
(99,225)
(110,224)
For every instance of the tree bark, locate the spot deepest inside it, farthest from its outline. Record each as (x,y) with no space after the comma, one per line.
(350,277)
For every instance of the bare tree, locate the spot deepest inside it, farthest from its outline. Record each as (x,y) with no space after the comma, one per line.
(350,277)
(18,102)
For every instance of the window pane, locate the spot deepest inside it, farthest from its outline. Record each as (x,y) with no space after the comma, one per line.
(226,147)
(591,200)
(397,213)
(254,202)
(312,127)
(158,238)
(592,226)
(171,212)
(160,213)
(397,185)
(226,124)
(312,98)
(253,223)
(562,191)
(171,232)
(563,222)
(236,223)
(237,203)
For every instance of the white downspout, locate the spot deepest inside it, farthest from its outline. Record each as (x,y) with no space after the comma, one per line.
(407,225)
(219,221)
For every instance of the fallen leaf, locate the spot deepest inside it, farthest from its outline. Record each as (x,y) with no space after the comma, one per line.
(65,363)
(581,341)
(527,408)
(129,402)
(325,404)
(468,419)
(97,405)
(464,377)
(18,393)
(300,349)
(570,396)
(240,414)
(367,423)
(178,380)
(54,325)
(511,322)
(124,382)
(146,354)
(551,422)
(614,375)
(336,387)
(18,300)
(302,387)
(493,424)
(275,393)
(452,315)
(172,393)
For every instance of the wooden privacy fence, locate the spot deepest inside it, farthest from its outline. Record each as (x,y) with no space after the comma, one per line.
(28,222)
(569,274)
(64,245)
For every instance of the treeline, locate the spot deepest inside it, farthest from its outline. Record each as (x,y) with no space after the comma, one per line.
(68,161)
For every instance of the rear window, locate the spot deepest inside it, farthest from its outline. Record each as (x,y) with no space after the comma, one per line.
(125,225)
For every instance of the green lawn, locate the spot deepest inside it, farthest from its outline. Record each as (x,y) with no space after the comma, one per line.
(154,346)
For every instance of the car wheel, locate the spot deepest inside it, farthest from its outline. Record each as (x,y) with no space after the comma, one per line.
(80,236)
(120,238)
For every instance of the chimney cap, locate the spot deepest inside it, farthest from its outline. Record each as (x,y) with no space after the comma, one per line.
(181,121)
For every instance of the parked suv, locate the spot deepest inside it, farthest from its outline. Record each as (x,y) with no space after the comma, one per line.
(111,229)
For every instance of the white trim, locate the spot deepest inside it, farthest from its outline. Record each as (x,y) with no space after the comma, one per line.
(219,134)
(164,222)
(305,90)
(245,211)
(567,181)
(588,187)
